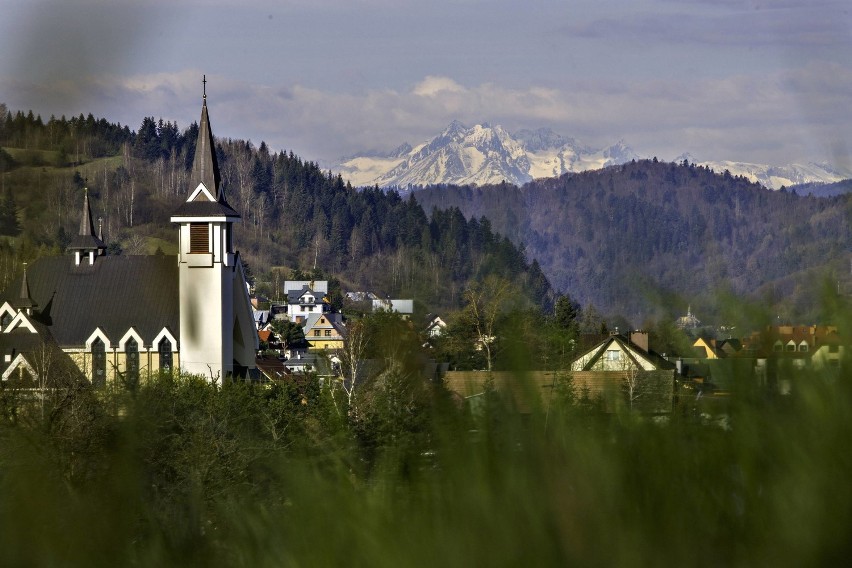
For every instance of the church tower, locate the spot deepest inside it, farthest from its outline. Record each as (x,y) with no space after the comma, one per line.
(212,341)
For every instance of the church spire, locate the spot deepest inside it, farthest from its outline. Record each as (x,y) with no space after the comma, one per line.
(87,226)
(205,168)
(24,301)
(85,241)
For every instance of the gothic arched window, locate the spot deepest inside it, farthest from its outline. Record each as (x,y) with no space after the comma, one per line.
(165,350)
(131,354)
(98,363)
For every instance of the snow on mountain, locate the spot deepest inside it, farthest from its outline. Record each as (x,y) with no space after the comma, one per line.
(485,154)
(482,154)
(363,170)
(775,177)
(460,155)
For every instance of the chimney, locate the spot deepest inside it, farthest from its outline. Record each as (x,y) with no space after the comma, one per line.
(639,338)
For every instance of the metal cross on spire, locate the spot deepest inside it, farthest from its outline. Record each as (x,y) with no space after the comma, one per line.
(204,88)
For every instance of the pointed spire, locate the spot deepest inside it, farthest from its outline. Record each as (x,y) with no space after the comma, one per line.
(86,238)
(206,198)
(205,168)
(24,301)
(87,227)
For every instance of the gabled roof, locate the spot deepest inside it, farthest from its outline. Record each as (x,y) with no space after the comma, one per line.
(310,321)
(730,345)
(433,319)
(115,294)
(632,350)
(706,349)
(294,294)
(313,321)
(318,286)
(40,351)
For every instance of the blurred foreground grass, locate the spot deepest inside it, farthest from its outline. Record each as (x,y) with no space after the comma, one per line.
(178,472)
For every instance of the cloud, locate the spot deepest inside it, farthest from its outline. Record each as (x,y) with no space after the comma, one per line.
(779,117)
(733,23)
(432,86)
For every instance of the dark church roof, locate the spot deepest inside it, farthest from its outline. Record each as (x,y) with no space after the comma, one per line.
(115,294)
(205,209)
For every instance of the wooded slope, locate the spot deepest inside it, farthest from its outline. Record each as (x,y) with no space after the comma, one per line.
(648,238)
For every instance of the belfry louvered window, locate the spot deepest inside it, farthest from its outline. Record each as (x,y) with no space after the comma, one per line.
(199,238)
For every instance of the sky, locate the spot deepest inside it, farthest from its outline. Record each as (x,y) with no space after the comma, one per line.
(761,81)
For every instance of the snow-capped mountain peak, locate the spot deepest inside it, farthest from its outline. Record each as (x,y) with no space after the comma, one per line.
(774,177)
(482,154)
(485,154)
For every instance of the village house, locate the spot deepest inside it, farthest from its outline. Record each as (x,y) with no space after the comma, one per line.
(325,331)
(622,369)
(306,298)
(435,326)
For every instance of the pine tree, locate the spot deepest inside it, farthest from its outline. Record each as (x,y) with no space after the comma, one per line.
(9,215)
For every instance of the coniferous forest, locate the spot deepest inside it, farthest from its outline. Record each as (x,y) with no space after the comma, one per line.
(295,217)
(646,239)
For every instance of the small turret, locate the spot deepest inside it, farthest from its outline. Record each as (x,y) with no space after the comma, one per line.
(86,243)
(24,302)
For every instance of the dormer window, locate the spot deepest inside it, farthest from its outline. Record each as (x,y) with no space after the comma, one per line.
(199,238)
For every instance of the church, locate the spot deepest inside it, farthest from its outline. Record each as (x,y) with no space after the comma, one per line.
(111,317)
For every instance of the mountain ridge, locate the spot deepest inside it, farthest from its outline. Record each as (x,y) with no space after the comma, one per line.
(648,238)
(484,154)
(479,155)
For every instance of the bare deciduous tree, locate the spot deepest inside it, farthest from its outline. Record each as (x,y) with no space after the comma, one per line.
(354,346)
(485,302)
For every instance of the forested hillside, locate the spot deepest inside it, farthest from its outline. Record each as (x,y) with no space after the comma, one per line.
(648,238)
(294,215)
